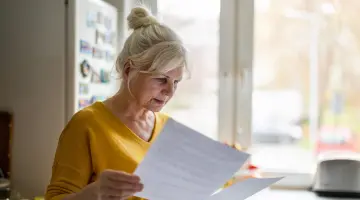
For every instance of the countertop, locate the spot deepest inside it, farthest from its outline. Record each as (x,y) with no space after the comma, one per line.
(290,195)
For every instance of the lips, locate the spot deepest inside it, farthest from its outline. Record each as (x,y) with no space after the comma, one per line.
(158,101)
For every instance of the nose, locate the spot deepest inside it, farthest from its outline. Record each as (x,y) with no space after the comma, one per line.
(170,89)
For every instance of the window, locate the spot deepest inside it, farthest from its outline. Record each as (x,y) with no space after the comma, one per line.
(196,100)
(279,77)
(304,101)
(282,96)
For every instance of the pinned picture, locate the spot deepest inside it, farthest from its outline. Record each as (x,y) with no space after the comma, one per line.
(95,77)
(83,88)
(107,23)
(97,98)
(109,56)
(98,53)
(84,103)
(100,18)
(91,19)
(98,37)
(105,38)
(85,47)
(104,76)
(85,68)
(110,38)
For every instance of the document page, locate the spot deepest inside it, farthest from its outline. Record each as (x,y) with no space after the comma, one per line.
(244,189)
(184,164)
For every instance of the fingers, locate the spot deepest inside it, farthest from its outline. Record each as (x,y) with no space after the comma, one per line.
(118,185)
(136,187)
(107,191)
(122,184)
(126,195)
(121,176)
(107,197)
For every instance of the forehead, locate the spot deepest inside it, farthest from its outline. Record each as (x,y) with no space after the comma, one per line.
(175,73)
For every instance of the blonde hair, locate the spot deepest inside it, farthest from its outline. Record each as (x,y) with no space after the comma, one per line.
(152,47)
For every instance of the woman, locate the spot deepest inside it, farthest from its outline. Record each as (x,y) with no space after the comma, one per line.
(102,144)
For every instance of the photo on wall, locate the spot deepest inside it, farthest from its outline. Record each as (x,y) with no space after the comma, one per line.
(85,68)
(98,53)
(95,77)
(105,38)
(85,47)
(84,103)
(97,98)
(110,57)
(108,23)
(100,18)
(91,19)
(104,76)
(83,88)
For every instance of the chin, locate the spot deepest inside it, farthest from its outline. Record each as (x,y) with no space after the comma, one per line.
(155,108)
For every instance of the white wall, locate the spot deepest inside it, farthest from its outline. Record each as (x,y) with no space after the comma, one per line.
(32,86)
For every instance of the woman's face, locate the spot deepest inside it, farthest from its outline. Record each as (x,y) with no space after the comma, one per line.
(153,91)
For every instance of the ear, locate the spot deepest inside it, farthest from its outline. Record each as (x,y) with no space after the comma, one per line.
(126,71)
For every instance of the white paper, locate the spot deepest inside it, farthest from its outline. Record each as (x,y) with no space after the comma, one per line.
(244,189)
(184,164)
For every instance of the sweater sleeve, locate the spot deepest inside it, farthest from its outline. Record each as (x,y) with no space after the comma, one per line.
(72,166)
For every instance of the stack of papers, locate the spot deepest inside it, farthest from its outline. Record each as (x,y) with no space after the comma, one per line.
(184,164)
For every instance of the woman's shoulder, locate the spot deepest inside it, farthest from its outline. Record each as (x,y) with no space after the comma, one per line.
(83,118)
(83,115)
(79,123)
(88,113)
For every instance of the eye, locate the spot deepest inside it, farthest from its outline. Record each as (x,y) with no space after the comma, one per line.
(162,80)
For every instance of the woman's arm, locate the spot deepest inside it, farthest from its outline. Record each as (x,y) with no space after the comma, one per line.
(72,167)
(85,194)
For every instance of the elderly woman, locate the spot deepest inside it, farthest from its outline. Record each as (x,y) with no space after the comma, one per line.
(102,144)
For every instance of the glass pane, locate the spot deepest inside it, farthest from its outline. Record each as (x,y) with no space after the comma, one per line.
(339,83)
(196,101)
(305,67)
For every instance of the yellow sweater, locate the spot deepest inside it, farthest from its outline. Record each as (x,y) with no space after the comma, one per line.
(95,140)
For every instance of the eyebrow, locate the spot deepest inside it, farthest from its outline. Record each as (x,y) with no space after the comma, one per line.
(168,77)
(165,76)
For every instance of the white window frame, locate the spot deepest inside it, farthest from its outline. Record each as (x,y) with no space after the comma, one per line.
(235,72)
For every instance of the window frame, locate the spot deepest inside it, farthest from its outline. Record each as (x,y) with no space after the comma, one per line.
(236,71)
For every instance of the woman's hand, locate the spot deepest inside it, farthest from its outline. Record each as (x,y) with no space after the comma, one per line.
(119,185)
(112,185)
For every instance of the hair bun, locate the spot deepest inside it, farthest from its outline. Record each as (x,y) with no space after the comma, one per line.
(140,17)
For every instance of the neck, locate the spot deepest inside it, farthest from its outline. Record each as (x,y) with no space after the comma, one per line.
(124,103)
